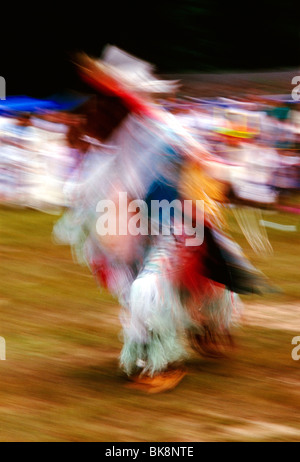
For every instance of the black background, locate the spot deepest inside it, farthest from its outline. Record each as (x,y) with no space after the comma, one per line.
(38,42)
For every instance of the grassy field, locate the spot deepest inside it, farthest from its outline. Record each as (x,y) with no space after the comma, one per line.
(61,381)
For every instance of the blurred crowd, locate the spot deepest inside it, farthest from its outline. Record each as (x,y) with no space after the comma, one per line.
(256,146)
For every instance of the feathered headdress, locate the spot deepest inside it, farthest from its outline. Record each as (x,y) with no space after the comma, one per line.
(120,74)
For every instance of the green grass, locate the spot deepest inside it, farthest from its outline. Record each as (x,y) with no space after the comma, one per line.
(61,381)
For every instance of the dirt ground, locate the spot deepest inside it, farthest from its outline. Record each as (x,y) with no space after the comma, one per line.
(61,379)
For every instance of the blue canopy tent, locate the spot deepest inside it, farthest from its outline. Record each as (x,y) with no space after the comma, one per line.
(65,102)
(14,104)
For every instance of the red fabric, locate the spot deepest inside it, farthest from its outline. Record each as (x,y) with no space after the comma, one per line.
(133,102)
(100,271)
(191,270)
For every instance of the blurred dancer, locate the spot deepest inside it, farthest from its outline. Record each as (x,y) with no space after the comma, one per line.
(170,291)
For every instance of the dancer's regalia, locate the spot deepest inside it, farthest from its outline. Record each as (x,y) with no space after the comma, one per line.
(169,292)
